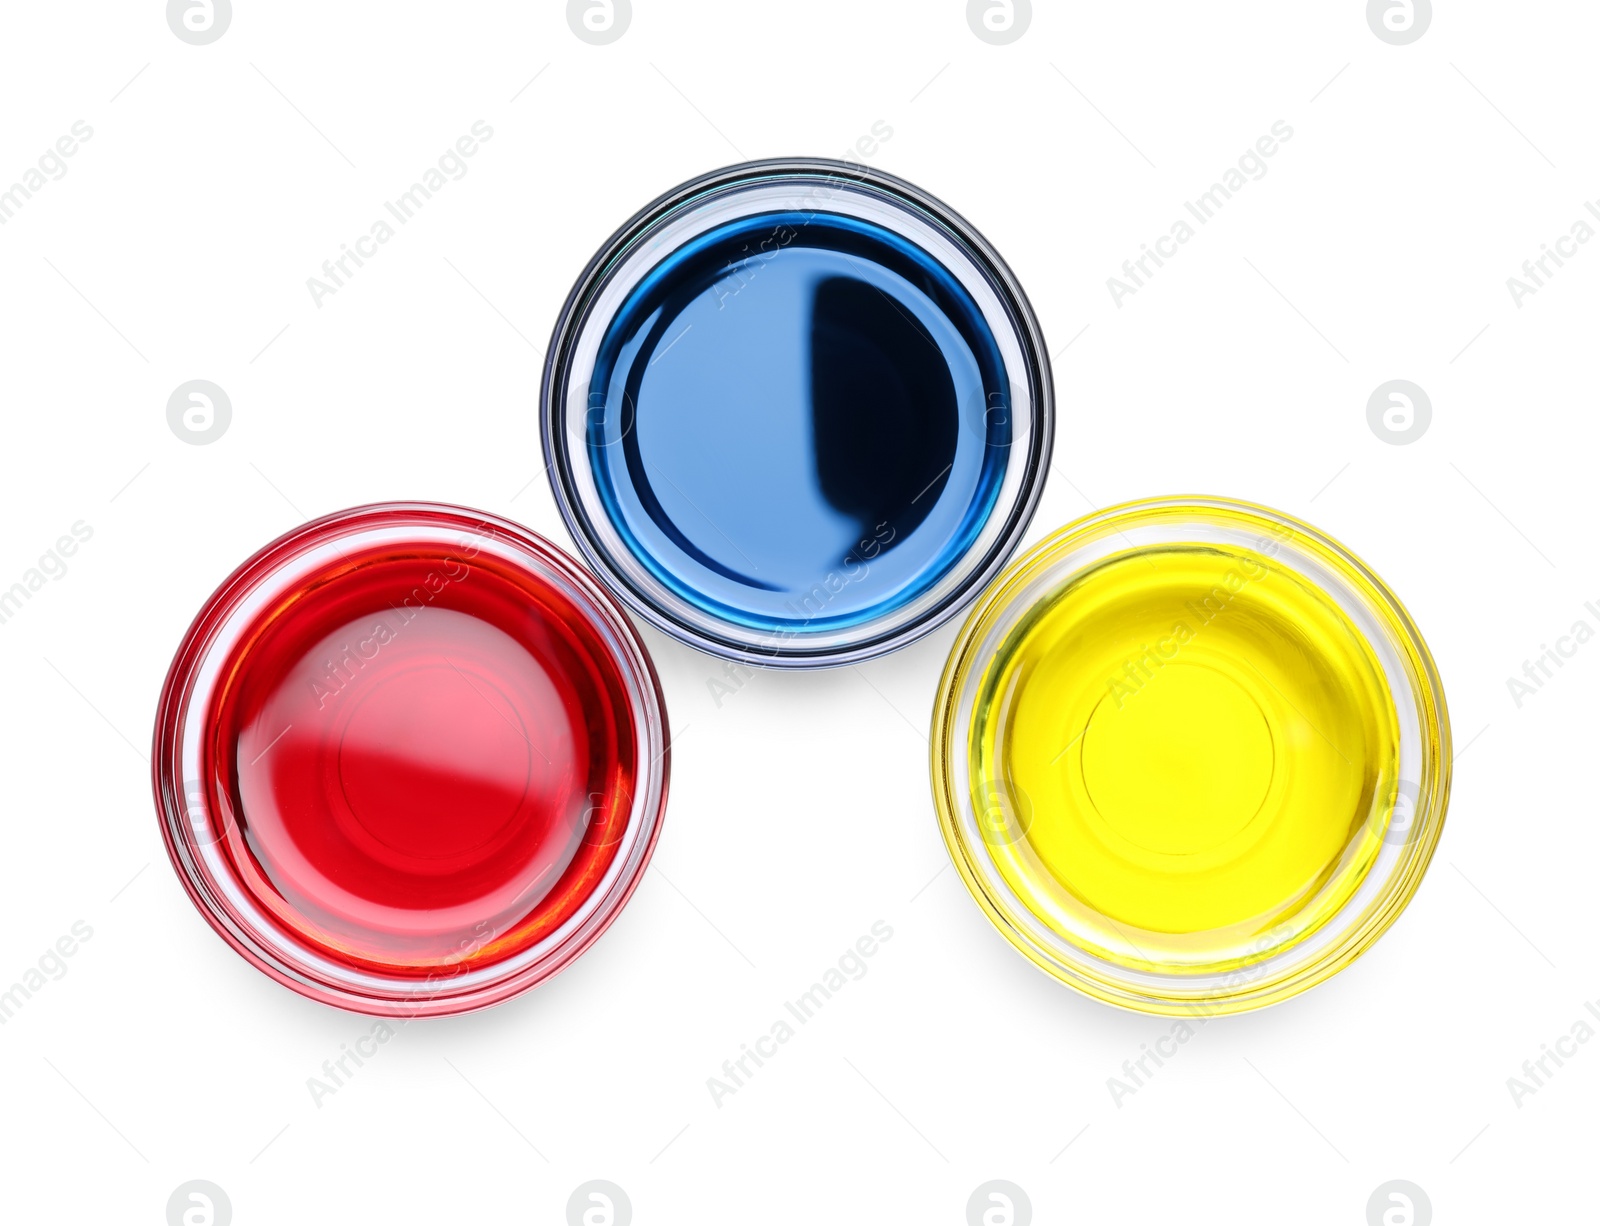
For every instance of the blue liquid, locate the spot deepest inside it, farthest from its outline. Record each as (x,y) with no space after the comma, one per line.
(799,421)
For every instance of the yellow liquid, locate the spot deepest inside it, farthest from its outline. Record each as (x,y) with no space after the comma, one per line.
(1184,758)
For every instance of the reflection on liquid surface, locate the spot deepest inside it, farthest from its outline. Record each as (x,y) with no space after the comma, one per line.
(798,421)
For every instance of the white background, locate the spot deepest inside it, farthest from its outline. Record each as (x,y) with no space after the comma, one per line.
(178,245)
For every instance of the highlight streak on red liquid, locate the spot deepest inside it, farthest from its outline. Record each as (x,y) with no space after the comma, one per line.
(430,761)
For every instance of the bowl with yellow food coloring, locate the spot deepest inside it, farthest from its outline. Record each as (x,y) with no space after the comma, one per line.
(1191,755)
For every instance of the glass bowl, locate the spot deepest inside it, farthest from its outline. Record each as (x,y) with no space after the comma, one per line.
(410,760)
(796,413)
(1190,755)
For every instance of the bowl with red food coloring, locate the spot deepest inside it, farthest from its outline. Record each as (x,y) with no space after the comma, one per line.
(410,760)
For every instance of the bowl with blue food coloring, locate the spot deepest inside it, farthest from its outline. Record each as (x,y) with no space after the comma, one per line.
(797,413)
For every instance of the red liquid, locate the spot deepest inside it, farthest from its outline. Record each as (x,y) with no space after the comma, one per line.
(430,761)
